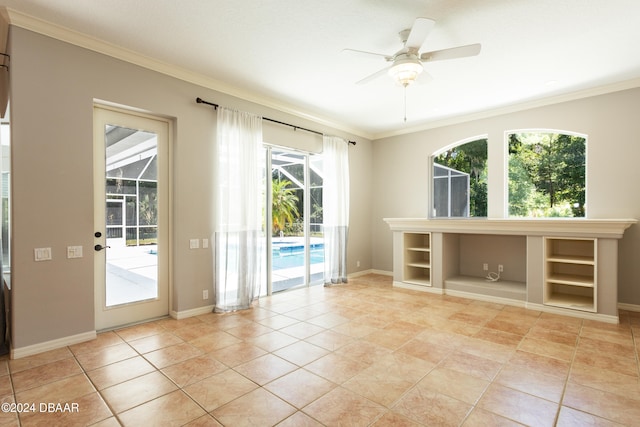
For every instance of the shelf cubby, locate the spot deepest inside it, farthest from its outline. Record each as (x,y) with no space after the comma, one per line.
(417,259)
(570,273)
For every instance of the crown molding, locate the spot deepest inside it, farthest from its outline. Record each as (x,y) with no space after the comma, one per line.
(28,22)
(58,32)
(542,102)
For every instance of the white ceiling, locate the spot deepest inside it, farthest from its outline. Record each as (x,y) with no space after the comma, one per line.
(288,53)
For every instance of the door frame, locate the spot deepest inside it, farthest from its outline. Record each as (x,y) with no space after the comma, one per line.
(165,222)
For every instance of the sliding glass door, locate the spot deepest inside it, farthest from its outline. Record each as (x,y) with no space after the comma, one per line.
(294,211)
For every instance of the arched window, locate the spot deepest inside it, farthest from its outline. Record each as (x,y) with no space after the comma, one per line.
(547,172)
(460,180)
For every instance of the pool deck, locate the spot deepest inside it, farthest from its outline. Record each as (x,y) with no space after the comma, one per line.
(132,272)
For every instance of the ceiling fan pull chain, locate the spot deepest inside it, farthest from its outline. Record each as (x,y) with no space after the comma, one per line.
(405,103)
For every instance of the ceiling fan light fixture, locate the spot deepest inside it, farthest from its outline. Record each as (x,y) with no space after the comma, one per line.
(404,72)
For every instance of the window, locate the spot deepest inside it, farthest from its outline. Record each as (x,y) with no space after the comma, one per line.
(460,180)
(547,174)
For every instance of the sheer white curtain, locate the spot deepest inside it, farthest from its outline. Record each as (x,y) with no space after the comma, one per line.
(335,207)
(239,245)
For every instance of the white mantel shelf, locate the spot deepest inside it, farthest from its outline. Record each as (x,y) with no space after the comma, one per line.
(612,228)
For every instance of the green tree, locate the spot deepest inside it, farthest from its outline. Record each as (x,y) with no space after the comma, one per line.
(546,174)
(524,200)
(284,207)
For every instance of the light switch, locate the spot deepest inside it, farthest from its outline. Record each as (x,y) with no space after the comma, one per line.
(42,254)
(74,251)
(205,243)
(194,244)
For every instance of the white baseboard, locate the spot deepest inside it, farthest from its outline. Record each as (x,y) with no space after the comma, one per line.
(419,288)
(209,308)
(629,307)
(191,313)
(485,298)
(17,353)
(370,271)
(359,274)
(516,303)
(381,272)
(607,318)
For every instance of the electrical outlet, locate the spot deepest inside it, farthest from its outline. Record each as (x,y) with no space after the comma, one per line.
(357,263)
(500,268)
(485,266)
(205,294)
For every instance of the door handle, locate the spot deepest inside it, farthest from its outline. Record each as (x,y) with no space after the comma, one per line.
(98,248)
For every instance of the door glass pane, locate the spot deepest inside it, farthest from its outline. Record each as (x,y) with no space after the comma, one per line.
(287,211)
(316,230)
(297,245)
(132,219)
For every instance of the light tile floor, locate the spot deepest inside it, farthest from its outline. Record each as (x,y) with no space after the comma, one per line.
(363,353)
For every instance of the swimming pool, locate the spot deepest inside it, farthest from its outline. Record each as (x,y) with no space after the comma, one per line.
(288,255)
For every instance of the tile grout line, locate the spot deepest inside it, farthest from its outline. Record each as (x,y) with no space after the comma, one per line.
(156,369)
(113,412)
(318,305)
(568,376)
(502,366)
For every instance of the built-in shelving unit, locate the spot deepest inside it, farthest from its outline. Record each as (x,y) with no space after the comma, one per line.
(571,273)
(417,258)
(563,266)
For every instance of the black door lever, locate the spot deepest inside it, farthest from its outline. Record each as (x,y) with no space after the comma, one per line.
(98,248)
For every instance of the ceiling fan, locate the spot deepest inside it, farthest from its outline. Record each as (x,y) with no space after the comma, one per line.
(406,64)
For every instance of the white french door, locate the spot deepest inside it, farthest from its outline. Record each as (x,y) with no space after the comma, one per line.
(131,217)
(294,208)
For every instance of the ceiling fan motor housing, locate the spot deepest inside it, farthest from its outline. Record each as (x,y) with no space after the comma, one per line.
(406,68)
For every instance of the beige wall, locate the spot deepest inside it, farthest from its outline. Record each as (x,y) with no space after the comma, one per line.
(613,127)
(53,88)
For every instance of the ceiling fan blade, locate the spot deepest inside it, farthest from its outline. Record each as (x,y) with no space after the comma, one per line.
(373,76)
(423,78)
(364,52)
(419,32)
(451,53)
